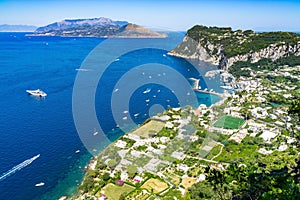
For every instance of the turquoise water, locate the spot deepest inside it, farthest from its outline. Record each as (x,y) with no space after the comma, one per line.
(31,126)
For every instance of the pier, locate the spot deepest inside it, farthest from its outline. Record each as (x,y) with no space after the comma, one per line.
(196,83)
(196,88)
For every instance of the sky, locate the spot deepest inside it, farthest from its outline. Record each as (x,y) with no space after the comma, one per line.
(177,15)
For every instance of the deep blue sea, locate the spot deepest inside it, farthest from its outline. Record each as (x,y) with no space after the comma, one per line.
(30,126)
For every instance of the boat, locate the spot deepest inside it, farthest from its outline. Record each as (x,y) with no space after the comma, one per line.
(82,70)
(96,133)
(40,184)
(226,87)
(147,91)
(78,151)
(147,100)
(37,92)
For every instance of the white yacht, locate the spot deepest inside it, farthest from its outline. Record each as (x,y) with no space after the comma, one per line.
(37,92)
(39,184)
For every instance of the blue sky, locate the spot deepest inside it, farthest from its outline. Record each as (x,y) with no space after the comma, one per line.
(163,14)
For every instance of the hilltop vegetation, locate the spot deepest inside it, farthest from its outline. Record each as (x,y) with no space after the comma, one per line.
(240,42)
(225,47)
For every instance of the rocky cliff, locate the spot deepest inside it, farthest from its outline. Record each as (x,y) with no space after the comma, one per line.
(224,47)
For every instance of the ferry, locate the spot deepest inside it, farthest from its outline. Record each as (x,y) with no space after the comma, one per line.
(37,92)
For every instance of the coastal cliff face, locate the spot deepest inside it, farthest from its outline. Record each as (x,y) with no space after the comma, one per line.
(191,49)
(273,52)
(224,47)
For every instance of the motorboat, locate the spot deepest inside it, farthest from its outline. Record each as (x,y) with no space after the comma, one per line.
(40,184)
(147,91)
(37,92)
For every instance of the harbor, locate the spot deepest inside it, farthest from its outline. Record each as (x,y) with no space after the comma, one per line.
(206,91)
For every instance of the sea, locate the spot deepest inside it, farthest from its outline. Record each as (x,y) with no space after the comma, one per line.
(39,137)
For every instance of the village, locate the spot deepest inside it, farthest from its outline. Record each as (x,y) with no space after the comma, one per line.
(165,156)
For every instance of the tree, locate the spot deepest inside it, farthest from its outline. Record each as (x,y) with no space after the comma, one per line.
(123,196)
(106,176)
(112,163)
(131,170)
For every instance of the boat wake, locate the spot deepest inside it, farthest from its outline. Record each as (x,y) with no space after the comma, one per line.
(18,167)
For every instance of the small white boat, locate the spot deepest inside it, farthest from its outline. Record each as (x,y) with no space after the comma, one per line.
(95,133)
(137,114)
(125,111)
(226,87)
(40,184)
(147,91)
(37,92)
(82,70)
(124,118)
(78,151)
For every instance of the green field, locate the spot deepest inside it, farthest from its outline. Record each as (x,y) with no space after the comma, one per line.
(114,191)
(229,122)
(152,126)
(155,186)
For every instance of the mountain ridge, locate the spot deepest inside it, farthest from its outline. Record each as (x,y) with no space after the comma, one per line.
(96,27)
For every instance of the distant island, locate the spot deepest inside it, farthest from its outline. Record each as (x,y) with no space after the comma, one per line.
(96,27)
(17,28)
